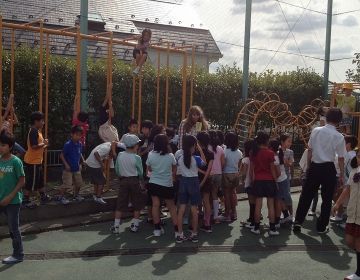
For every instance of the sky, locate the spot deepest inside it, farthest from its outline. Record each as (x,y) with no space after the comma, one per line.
(272,21)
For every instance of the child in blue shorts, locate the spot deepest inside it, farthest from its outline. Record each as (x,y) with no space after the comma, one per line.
(189,189)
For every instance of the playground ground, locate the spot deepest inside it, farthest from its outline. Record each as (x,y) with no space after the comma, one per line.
(230,252)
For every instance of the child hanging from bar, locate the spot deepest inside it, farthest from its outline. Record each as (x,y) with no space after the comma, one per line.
(346,102)
(9,119)
(107,132)
(140,53)
(81,118)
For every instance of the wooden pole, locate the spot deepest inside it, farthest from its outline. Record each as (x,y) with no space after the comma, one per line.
(184,84)
(133,98)
(78,70)
(139,102)
(192,75)
(1,88)
(158,88)
(167,84)
(46,105)
(41,67)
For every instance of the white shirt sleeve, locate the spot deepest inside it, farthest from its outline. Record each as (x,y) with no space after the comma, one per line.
(341,148)
(103,150)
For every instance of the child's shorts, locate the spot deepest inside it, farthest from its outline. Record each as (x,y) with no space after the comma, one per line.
(72,178)
(137,51)
(130,187)
(230,180)
(161,191)
(97,176)
(189,191)
(216,180)
(34,177)
(264,189)
(284,192)
(207,187)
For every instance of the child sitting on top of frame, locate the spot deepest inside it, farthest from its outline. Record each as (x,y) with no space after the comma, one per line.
(140,53)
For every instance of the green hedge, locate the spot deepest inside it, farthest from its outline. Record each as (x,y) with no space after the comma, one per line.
(219,93)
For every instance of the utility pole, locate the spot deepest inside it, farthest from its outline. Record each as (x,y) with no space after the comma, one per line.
(245,83)
(327,49)
(83,60)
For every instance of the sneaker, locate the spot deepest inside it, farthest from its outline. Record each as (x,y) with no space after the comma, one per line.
(115,229)
(163,214)
(342,225)
(180,238)
(206,229)
(136,71)
(288,219)
(78,198)
(100,200)
(63,200)
(336,219)
(296,228)
(194,238)
(250,225)
(11,260)
(277,226)
(45,198)
(255,231)
(30,204)
(352,277)
(274,233)
(159,232)
(312,213)
(326,230)
(134,227)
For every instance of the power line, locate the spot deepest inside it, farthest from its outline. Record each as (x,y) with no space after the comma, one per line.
(346,12)
(291,30)
(301,7)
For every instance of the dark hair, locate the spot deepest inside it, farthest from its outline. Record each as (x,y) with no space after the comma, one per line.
(221,137)
(157,129)
(334,115)
(77,129)
(262,138)
(352,140)
(274,145)
(231,141)
(248,145)
(161,144)
(83,117)
(284,137)
(214,140)
(353,162)
(320,111)
(146,30)
(189,142)
(132,121)
(36,116)
(147,124)
(203,138)
(7,138)
(170,132)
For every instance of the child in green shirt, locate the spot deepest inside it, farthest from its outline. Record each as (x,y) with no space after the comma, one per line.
(12,179)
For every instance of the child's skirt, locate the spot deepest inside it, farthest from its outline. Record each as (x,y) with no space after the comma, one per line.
(353,230)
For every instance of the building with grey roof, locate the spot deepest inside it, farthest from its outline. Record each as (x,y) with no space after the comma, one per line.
(170,21)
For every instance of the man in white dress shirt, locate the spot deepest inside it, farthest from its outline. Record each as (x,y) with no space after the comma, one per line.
(324,144)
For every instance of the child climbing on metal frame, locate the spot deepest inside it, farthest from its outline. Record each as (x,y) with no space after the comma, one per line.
(140,53)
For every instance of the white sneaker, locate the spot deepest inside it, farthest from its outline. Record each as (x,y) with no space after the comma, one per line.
(288,219)
(115,229)
(249,225)
(100,200)
(11,260)
(136,71)
(63,200)
(352,277)
(336,219)
(78,198)
(134,227)
(342,225)
(159,232)
(255,231)
(274,233)
(312,213)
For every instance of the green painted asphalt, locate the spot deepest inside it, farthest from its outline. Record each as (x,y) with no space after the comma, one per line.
(230,251)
